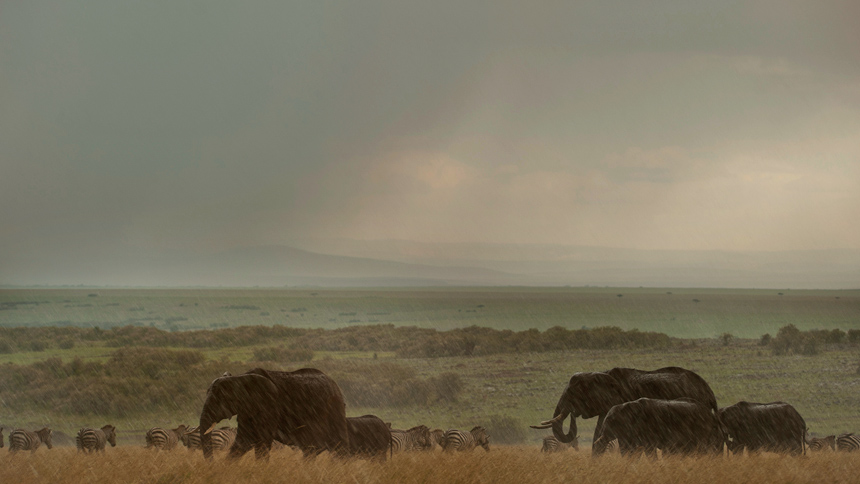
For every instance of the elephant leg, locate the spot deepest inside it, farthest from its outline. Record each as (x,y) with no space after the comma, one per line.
(311,452)
(598,428)
(239,448)
(651,452)
(262,449)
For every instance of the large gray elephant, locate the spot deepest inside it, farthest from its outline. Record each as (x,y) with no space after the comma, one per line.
(772,427)
(679,427)
(304,408)
(592,394)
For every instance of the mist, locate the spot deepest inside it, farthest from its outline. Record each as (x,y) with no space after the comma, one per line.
(138,135)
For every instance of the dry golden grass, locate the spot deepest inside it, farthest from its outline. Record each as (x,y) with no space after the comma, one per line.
(503,464)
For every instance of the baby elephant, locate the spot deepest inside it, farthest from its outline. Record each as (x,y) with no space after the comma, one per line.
(680,427)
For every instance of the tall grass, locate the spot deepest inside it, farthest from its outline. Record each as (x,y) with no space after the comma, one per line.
(502,464)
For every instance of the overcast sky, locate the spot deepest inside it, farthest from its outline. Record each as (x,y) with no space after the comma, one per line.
(211,125)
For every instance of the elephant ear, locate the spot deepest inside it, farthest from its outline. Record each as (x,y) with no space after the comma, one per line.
(600,392)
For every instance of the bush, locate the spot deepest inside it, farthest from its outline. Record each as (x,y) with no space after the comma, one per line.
(765,339)
(504,429)
(726,338)
(835,336)
(854,335)
(66,344)
(38,346)
(788,339)
(447,386)
(5,348)
(283,355)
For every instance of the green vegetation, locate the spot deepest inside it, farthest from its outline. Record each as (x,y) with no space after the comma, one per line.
(299,344)
(138,374)
(742,313)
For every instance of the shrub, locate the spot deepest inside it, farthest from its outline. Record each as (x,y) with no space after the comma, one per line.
(447,386)
(726,338)
(504,429)
(788,339)
(765,339)
(5,348)
(66,344)
(283,355)
(835,336)
(38,346)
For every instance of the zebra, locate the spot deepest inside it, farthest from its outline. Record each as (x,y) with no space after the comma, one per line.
(848,442)
(815,444)
(222,439)
(436,437)
(416,438)
(20,439)
(459,440)
(552,444)
(612,446)
(160,438)
(92,440)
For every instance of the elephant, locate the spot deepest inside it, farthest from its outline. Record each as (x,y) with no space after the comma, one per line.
(304,408)
(368,436)
(592,394)
(676,427)
(773,427)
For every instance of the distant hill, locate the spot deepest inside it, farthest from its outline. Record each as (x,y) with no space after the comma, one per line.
(350,263)
(535,264)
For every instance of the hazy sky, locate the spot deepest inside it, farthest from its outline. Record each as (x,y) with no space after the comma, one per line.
(209,125)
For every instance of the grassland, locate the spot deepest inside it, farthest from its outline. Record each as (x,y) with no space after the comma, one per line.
(514,464)
(825,388)
(517,388)
(683,313)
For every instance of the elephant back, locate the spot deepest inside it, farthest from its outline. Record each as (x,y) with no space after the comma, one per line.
(668,383)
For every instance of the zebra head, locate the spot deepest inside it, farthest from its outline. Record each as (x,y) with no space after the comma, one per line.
(110,434)
(816,444)
(481,436)
(45,436)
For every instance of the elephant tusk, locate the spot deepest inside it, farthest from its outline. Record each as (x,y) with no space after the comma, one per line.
(541,426)
(211,428)
(558,418)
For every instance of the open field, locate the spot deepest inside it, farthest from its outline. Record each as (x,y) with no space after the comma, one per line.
(825,388)
(507,464)
(504,392)
(683,313)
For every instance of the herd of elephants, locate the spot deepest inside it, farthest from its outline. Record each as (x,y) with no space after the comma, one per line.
(671,409)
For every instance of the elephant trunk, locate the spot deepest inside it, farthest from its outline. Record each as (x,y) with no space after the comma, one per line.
(559,416)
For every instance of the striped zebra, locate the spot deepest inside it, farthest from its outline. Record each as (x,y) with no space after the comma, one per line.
(436,437)
(222,439)
(848,442)
(815,444)
(92,440)
(166,439)
(552,444)
(460,440)
(20,439)
(612,446)
(416,438)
